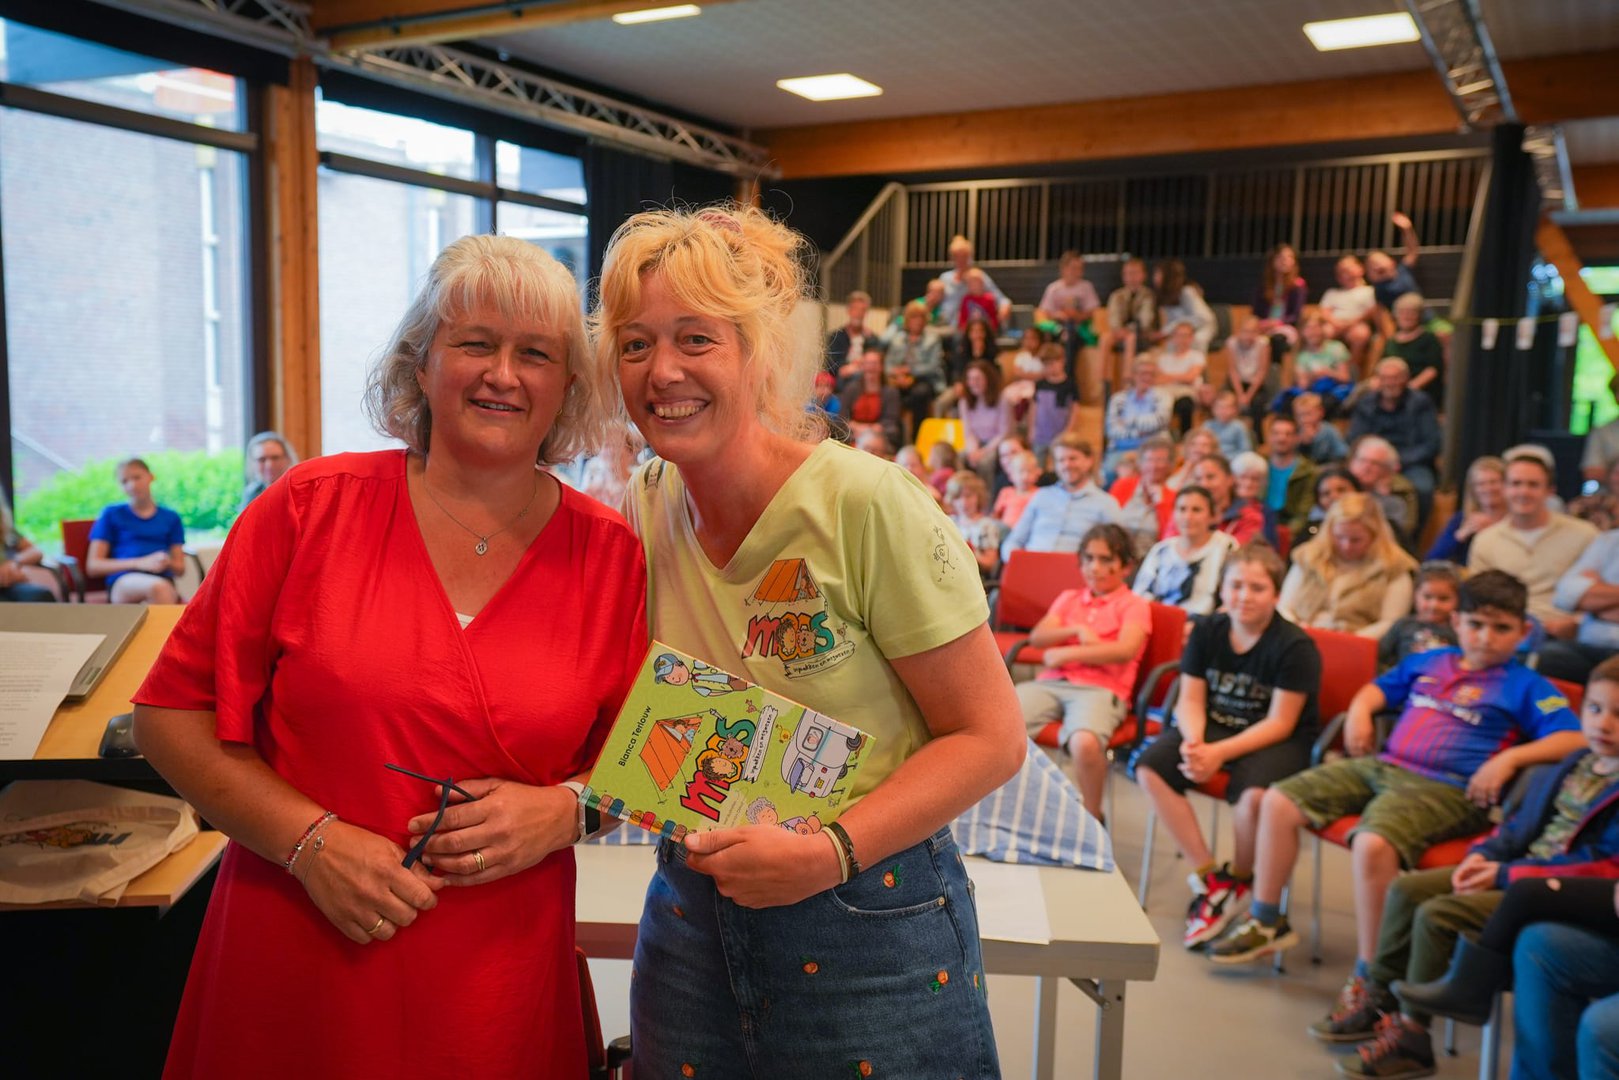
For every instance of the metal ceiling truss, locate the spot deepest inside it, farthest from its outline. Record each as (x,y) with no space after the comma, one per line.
(283,26)
(1457,41)
(1544,143)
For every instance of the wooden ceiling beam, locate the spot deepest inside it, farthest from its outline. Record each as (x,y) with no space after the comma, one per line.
(360,24)
(1412,103)
(1597,186)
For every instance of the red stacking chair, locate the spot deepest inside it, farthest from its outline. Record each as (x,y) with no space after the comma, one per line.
(604,1061)
(1446,853)
(1030,582)
(1348,663)
(76,557)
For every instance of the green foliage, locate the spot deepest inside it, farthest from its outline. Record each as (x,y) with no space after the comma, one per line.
(1591,375)
(202,488)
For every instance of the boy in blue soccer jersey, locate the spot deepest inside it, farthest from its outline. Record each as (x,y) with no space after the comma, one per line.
(1470,719)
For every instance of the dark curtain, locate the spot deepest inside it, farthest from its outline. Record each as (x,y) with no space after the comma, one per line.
(620,183)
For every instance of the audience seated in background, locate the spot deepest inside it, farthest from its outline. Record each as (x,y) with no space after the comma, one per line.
(1249,373)
(954,282)
(1602,445)
(1600,507)
(1565,1003)
(915,362)
(1093,639)
(137,546)
(1146,499)
(1178,299)
(1321,442)
(1247,707)
(1243,519)
(1132,309)
(1429,626)
(1027,362)
(1136,414)
(1332,482)
(826,399)
(23,580)
(1184,570)
(1419,347)
(1484,503)
(1250,480)
(931,299)
(1567,823)
(1227,426)
(1290,491)
(872,441)
(846,344)
(1347,309)
(980,302)
(1376,465)
(977,345)
(1407,419)
(1279,301)
(1320,366)
(606,475)
(1198,445)
(1058,516)
(1010,502)
(1353,577)
(1392,280)
(867,401)
(985,418)
(966,496)
(1589,589)
(909,458)
(1180,371)
(1070,301)
(1532,543)
(942,465)
(1479,717)
(269,455)
(1056,402)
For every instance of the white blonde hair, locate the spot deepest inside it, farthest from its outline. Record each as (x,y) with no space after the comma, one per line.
(526,285)
(726,262)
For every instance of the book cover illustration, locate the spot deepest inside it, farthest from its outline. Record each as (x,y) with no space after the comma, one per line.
(698,748)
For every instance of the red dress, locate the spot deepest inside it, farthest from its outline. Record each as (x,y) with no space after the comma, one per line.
(323,637)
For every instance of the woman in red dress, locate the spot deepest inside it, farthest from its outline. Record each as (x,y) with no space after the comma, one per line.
(452,609)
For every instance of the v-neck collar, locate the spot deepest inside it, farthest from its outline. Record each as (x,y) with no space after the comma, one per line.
(737,568)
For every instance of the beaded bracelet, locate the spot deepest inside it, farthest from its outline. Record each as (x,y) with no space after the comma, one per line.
(842,836)
(297,849)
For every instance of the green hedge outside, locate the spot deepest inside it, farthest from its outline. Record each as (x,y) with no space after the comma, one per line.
(203,488)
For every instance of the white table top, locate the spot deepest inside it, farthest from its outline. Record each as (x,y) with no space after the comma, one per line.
(1097,929)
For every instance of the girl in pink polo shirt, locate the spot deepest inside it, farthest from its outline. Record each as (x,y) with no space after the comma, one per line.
(1093,640)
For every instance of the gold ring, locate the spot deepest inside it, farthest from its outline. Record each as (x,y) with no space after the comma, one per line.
(477,857)
(380,921)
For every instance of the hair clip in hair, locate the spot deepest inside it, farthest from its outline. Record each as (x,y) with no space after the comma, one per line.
(721,221)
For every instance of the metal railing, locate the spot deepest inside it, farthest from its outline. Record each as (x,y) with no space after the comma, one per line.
(1320,207)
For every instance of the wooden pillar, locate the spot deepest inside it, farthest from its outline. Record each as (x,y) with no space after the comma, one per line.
(1556,249)
(293,259)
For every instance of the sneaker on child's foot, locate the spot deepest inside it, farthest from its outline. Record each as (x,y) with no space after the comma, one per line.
(1217,900)
(1361,1003)
(1400,1051)
(1251,939)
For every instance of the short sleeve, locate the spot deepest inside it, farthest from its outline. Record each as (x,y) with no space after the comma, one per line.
(1546,709)
(1195,656)
(1396,682)
(1299,667)
(103,528)
(177,529)
(221,656)
(1138,613)
(921,584)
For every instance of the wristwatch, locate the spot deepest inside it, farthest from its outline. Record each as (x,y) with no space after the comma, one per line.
(590,819)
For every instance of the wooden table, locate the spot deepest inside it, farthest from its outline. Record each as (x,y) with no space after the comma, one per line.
(1100,940)
(162,886)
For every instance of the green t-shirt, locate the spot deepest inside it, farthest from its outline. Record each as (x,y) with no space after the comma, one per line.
(851,563)
(1580,789)
(1319,362)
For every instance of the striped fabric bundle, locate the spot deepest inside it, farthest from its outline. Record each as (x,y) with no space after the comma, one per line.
(1035,818)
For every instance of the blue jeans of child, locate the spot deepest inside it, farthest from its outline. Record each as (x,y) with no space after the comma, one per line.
(879,977)
(1557,1030)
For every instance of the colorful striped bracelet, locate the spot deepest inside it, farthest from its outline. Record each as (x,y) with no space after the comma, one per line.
(297,849)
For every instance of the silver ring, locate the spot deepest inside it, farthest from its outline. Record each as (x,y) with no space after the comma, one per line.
(477,857)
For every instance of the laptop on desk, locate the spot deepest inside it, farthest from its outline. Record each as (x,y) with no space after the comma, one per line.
(116,623)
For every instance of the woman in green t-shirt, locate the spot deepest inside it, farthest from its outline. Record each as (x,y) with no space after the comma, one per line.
(830,577)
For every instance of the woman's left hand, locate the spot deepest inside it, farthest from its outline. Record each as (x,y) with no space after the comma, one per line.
(507,829)
(761,866)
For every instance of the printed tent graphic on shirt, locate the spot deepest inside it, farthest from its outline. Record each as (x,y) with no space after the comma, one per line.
(786,581)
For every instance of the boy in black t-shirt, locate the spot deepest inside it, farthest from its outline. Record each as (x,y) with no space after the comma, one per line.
(1247,708)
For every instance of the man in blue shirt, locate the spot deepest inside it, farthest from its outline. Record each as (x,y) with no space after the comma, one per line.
(1590,588)
(137,546)
(1059,516)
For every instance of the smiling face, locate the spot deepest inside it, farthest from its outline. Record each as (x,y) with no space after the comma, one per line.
(1249,484)
(1527,488)
(1208,475)
(1436,601)
(268,461)
(1349,273)
(1314,333)
(1073,466)
(685,379)
(1144,375)
(1489,490)
(1194,517)
(494,384)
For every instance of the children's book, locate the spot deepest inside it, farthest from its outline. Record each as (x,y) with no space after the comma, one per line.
(697,748)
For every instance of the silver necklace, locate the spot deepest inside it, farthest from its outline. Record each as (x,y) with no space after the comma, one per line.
(482,547)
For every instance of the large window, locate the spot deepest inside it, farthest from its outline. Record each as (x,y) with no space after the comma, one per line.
(125,283)
(394,190)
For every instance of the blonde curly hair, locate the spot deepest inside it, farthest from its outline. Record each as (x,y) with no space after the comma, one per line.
(727,262)
(526,285)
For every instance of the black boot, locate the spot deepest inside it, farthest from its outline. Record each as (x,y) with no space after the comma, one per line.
(1467,991)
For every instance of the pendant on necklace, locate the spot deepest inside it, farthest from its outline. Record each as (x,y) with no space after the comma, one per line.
(482,548)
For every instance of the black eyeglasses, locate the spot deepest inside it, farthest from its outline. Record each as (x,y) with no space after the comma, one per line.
(414,855)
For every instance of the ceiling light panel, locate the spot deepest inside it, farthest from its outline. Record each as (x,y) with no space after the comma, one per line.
(1393,29)
(657,14)
(830,87)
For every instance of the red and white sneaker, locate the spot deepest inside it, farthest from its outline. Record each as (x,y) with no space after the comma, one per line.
(1217,900)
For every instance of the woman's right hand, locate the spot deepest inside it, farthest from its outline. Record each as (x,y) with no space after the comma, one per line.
(357,878)
(1472,524)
